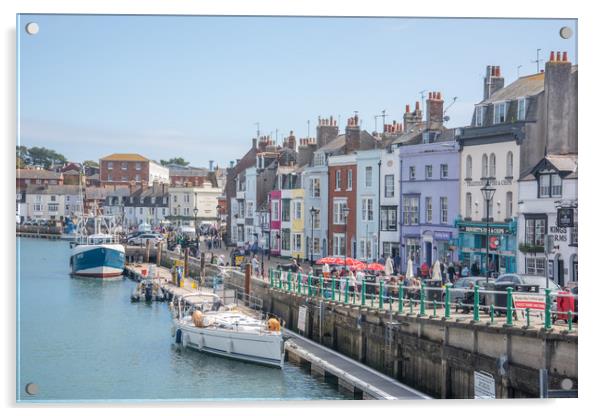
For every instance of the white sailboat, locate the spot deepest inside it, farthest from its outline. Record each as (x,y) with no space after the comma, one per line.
(227,331)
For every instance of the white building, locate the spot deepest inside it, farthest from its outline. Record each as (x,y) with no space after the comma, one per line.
(367,218)
(157,173)
(184,200)
(389,203)
(52,202)
(551,184)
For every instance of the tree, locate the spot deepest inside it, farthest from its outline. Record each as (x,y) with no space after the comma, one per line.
(175,161)
(45,157)
(90,164)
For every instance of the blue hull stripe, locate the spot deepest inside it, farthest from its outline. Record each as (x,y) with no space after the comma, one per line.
(98,257)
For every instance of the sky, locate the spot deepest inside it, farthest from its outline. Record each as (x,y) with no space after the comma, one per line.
(195,86)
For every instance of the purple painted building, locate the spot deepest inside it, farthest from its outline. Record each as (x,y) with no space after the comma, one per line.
(429,202)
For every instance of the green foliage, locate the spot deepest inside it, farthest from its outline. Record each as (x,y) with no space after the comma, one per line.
(90,164)
(40,156)
(175,161)
(528,248)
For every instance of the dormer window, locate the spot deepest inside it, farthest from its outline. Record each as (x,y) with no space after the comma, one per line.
(550,185)
(521,108)
(499,113)
(479,115)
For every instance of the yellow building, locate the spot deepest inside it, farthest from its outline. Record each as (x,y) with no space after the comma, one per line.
(297,224)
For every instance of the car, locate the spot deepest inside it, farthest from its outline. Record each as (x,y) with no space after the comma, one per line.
(465,283)
(522,279)
(143,238)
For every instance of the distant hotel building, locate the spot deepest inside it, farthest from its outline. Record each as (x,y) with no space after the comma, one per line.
(131,169)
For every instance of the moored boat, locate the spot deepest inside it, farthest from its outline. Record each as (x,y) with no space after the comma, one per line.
(98,254)
(228,331)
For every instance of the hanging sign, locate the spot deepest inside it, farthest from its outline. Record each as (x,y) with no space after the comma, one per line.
(565,217)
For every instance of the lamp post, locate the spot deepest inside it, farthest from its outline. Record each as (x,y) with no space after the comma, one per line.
(346,211)
(488,191)
(313,212)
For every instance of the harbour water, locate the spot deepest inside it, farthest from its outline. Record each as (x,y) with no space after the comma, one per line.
(83,340)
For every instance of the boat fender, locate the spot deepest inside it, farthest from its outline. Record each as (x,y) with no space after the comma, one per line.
(197,319)
(273,324)
(178,336)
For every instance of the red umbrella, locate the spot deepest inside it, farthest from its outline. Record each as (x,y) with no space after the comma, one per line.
(328,260)
(376,267)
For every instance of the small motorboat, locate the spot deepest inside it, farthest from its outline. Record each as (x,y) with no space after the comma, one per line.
(148,291)
(227,330)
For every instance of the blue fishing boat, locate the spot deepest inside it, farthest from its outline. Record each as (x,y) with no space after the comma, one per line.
(98,254)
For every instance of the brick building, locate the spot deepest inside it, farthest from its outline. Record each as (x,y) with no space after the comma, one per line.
(131,168)
(342,174)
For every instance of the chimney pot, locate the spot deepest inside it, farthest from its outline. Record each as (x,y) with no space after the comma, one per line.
(552,59)
(497,71)
(558,56)
(430,95)
(492,71)
(565,57)
(417,105)
(407,108)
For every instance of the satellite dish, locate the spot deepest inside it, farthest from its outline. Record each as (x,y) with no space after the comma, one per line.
(446,118)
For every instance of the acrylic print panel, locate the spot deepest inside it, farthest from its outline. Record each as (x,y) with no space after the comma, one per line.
(288,208)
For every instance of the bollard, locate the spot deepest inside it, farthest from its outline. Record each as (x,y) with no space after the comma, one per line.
(434,308)
(509,306)
(548,312)
(528,317)
(475,308)
(332,290)
(422,306)
(363,293)
(447,306)
(346,290)
(570,320)
(322,287)
(390,303)
(289,279)
(400,295)
(491,313)
(380,294)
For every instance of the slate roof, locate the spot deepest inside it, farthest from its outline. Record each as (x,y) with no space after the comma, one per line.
(54,190)
(38,174)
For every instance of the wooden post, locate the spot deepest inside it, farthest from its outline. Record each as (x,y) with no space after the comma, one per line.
(147,251)
(248,280)
(202,264)
(186,252)
(159,249)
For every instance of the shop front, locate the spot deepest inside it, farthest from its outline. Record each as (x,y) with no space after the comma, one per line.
(473,242)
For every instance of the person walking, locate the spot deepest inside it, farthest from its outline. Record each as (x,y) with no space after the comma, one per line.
(474,269)
(255,265)
(451,272)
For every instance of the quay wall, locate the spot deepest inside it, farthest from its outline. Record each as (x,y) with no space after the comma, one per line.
(432,355)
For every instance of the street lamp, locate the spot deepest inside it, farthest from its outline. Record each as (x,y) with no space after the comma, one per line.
(346,211)
(313,211)
(488,191)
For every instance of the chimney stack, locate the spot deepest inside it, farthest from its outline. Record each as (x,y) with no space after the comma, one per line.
(412,119)
(493,81)
(352,134)
(558,88)
(434,111)
(326,131)
(211,166)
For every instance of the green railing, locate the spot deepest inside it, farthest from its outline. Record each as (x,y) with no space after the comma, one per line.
(384,295)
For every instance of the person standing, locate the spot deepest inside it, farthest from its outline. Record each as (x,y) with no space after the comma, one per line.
(255,265)
(451,272)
